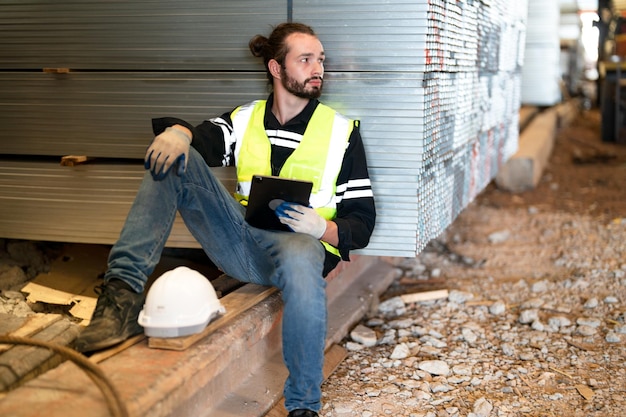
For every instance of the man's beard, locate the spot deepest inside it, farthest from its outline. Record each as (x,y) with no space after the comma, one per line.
(299,89)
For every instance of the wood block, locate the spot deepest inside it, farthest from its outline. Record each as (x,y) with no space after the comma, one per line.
(72,160)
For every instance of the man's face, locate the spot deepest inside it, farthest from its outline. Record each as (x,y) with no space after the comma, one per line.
(303,69)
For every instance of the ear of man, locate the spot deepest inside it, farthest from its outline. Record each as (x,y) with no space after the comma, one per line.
(274,68)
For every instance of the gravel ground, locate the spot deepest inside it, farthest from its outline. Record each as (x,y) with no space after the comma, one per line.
(535,320)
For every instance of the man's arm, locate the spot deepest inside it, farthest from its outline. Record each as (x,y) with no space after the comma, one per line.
(331,235)
(211,138)
(356,212)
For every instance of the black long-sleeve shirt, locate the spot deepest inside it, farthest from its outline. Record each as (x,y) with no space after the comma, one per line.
(215,140)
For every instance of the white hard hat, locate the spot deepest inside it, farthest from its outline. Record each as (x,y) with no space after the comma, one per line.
(179,303)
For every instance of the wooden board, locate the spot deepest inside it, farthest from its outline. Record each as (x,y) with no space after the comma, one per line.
(20,363)
(235,303)
(30,326)
(9,323)
(424,296)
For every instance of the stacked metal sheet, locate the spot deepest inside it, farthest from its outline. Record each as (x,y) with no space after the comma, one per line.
(144,35)
(436,85)
(541,75)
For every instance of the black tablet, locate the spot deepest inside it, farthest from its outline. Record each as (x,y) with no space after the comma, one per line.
(267,192)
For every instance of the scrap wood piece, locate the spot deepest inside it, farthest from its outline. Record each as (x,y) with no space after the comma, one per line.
(525,380)
(332,358)
(558,371)
(83,305)
(72,160)
(33,325)
(71,279)
(235,303)
(580,345)
(585,391)
(59,70)
(479,303)
(424,296)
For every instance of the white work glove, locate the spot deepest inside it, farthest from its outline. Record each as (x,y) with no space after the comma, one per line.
(168,148)
(301,219)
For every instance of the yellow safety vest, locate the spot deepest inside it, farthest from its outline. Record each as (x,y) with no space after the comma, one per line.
(317,158)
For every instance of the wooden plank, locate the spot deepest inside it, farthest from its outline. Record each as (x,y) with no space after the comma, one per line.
(22,363)
(424,296)
(333,357)
(235,303)
(10,323)
(33,324)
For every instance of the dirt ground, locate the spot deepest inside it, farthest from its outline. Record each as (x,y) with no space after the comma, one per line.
(534,324)
(585,179)
(585,176)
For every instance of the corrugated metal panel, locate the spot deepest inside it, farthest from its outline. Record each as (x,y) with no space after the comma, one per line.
(108,114)
(85,203)
(140,34)
(399,37)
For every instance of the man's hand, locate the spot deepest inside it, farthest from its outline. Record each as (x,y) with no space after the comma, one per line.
(301,219)
(168,148)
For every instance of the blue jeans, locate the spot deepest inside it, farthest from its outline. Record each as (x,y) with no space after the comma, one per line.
(292,262)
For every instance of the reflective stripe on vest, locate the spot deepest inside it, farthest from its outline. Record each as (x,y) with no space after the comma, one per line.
(324,143)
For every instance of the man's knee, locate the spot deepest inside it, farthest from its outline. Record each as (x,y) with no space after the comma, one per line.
(301,249)
(301,263)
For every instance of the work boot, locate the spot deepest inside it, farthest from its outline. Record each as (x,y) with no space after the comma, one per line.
(114,319)
(302,413)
